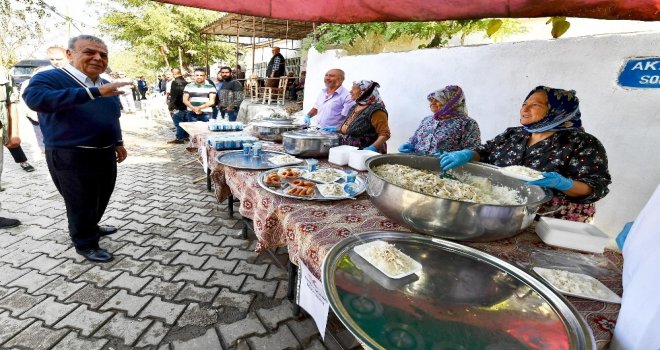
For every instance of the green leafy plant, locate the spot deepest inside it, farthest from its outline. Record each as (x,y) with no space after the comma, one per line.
(559,26)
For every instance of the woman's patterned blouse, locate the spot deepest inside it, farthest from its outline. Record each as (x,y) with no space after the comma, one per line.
(453,134)
(572,153)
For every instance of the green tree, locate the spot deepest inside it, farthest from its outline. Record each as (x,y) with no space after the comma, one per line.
(20,27)
(373,37)
(160,35)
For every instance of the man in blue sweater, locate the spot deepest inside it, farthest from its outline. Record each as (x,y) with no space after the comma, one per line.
(79,117)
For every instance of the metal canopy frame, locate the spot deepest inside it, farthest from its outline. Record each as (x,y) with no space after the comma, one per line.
(234,24)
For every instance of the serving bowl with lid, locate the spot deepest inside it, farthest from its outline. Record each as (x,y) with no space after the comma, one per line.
(309,143)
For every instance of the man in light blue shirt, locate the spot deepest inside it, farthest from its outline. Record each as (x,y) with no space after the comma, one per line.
(331,107)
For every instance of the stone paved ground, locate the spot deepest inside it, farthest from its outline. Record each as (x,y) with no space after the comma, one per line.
(179,280)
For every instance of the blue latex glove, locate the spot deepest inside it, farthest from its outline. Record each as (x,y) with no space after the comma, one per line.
(371,148)
(329,128)
(308,119)
(621,238)
(406,148)
(451,160)
(553,180)
(439,154)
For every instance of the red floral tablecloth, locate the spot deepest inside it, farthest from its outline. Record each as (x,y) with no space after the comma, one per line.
(310,229)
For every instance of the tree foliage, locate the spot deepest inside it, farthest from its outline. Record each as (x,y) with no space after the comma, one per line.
(159,35)
(20,27)
(431,34)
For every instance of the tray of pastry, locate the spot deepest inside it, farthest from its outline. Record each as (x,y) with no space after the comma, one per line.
(295,182)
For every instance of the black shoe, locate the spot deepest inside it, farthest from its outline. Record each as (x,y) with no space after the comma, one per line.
(27,167)
(176,141)
(104,230)
(95,254)
(8,223)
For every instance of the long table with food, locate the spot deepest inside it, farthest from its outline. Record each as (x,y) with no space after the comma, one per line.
(310,226)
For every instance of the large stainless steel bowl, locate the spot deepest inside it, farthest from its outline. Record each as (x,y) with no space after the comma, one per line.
(452,219)
(309,143)
(272,131)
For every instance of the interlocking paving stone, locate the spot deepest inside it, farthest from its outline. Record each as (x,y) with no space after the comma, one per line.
(266,287)
(259,271)
(128,330)
(87,321)
(123,301)
(52,248)
(6,291)
(219,252)
(11,326)
(201,211)
(130,265)
(158,287)
(183,225)
(229,298)
(69,269)
(240,254)
(134,237)
(198,277)
(281,292)
(209,341)
(281,339)
(162,309)
(132,250)
(7,239)
(49,311)
(142,218)
(230,281)
(92,296)
(164,256)
(153,335)
(220,264)
(98,276)
(209,238)
(160,242)
(230,241)
(186,258)
(201,218)
(271,317)
(199,294)
(18,257)
(61,288)
(187,247)
(42,263)
(73,342)
(71,254)
(9,273)
(315,344)
(132,283)
(108,243)
(275,272)
(26,244)
(158,220)
(160,270)
(139,206)
(304,330)
(240,329)
(19,302)
(36,337)
(137,227)
(197,316)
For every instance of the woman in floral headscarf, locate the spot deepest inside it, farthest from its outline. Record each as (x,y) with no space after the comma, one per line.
(552,140)
(366,125)
(448,129)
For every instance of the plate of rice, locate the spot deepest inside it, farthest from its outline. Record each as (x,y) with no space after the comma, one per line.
(521,172)
(578,285)
(388,259)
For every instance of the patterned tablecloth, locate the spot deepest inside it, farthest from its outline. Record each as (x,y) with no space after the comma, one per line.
(310,229)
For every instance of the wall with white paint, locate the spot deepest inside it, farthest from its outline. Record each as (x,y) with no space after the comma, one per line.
(497,77)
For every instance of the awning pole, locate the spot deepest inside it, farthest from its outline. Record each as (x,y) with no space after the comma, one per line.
(254,33)
(238,30)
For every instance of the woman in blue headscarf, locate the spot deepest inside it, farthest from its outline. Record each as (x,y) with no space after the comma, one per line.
(552,140)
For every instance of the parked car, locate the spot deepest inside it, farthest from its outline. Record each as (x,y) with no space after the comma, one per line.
(23,70)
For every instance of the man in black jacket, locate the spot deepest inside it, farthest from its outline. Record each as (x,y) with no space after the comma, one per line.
(275,69)
(176,106)
(230,95)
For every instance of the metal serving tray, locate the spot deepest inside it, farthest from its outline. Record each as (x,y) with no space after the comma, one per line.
(236,159)
(359,184)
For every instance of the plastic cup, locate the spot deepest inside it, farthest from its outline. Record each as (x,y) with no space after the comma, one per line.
(247,148)
(350,175)
(312,164)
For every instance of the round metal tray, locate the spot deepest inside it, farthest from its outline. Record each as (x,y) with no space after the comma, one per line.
(360,183)
(461,299)
(236,159)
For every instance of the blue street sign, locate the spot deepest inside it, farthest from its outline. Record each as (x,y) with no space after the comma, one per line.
(641,73)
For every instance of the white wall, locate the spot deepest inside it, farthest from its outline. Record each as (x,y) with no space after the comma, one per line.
(496,78)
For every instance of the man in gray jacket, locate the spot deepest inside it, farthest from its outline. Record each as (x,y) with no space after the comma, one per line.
(230,95)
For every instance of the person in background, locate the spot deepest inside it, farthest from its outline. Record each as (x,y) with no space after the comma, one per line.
(126,100)
(8,128)
(448,129)
(199,97)
(298,85)
(238,73)
(79,117)
(551,140)
(176,106)
(162,83)
(275,69)
(218,85)
(366,125)
(230,95)
(142,88)
(333,103)
(637,323)
(56,56)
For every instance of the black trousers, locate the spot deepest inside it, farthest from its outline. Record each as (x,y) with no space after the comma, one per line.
(86,179)
(18,154)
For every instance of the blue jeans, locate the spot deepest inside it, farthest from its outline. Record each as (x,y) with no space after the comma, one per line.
(204,117)
(179,116)
(231,115)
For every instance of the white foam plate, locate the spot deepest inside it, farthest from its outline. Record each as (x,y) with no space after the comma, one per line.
(324,190)
(310,175)
(507,172)
(279,160)
(600,291)
(361,250)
